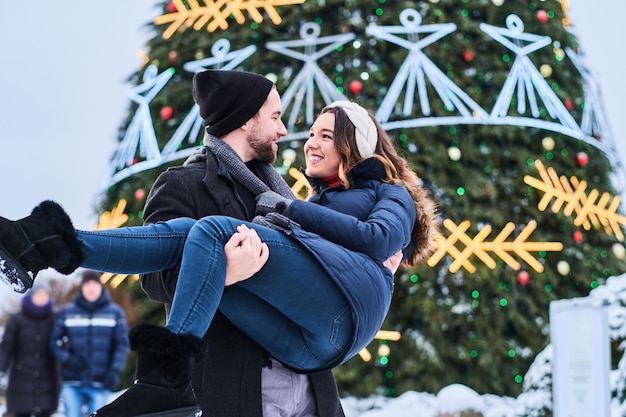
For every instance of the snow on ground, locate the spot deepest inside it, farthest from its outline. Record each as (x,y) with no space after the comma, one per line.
(450,401)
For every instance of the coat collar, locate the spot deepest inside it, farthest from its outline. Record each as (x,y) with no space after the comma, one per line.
(370,169)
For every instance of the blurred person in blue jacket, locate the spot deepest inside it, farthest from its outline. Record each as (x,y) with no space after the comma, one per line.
(90,340)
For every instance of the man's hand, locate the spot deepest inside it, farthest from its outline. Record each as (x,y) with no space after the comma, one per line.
(393,262)
(245,255)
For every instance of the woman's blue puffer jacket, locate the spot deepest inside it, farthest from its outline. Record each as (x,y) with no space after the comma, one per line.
(352,232)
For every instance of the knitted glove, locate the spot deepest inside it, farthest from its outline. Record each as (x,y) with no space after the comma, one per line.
(274,221)
(75,363)
(269,202)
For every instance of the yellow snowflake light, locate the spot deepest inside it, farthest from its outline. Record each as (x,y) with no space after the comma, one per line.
(565,6)
(571,196)
(381,335)
(301,186)
(111,220)
(114,218)
(213,14)
(479,247)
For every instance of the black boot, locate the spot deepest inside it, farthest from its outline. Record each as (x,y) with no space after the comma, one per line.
(42,240)
(163,377)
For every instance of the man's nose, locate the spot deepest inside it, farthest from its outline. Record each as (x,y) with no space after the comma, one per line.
(282,129)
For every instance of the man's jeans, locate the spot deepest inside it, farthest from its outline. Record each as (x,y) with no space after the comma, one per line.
(73,398)
(286,393)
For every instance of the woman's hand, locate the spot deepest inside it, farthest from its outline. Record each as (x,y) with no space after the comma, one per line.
(245,255)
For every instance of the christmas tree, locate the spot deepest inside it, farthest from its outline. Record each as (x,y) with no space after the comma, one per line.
(491,104)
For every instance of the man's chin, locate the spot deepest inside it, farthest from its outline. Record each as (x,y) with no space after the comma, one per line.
(268,157)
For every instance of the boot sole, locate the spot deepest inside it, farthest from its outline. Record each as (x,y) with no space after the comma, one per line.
(13,273)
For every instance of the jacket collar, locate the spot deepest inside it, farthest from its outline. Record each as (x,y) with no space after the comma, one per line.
(369,169)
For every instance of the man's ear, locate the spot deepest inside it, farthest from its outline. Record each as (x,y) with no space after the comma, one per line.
(246,125)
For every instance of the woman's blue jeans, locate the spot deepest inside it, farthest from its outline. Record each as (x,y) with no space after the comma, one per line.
(291,307)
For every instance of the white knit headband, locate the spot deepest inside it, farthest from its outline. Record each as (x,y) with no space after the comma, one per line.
(365,129)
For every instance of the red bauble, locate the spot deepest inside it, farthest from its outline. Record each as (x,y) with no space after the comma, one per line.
(582,159)
(468,56)
(172,57)
(140,193)
(542,16)
(523,277)
(569,104)
(577,236)
(166,112)
(356,87)
(171,7)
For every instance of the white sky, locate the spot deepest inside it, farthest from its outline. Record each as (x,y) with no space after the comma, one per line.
(63,95)
(63,91)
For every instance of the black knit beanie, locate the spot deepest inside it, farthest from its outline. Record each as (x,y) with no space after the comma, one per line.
(91,275)
(228,99)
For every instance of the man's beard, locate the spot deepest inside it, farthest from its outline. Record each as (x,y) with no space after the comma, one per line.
(262,146)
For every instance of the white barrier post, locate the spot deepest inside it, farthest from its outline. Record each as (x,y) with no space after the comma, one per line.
(582,358)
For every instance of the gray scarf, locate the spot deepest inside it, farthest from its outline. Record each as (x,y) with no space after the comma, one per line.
(237,169)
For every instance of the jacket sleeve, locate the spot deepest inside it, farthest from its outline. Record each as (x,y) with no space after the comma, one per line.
(56,339)
(386,230)
(169,198)
(120,342)
(8,345)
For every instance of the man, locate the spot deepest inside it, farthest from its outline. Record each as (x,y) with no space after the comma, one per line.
(242,114)
(89,338)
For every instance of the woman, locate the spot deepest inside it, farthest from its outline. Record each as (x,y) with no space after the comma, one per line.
(34,380)
(318,299)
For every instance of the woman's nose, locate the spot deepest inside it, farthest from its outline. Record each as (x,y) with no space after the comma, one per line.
(311,143)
